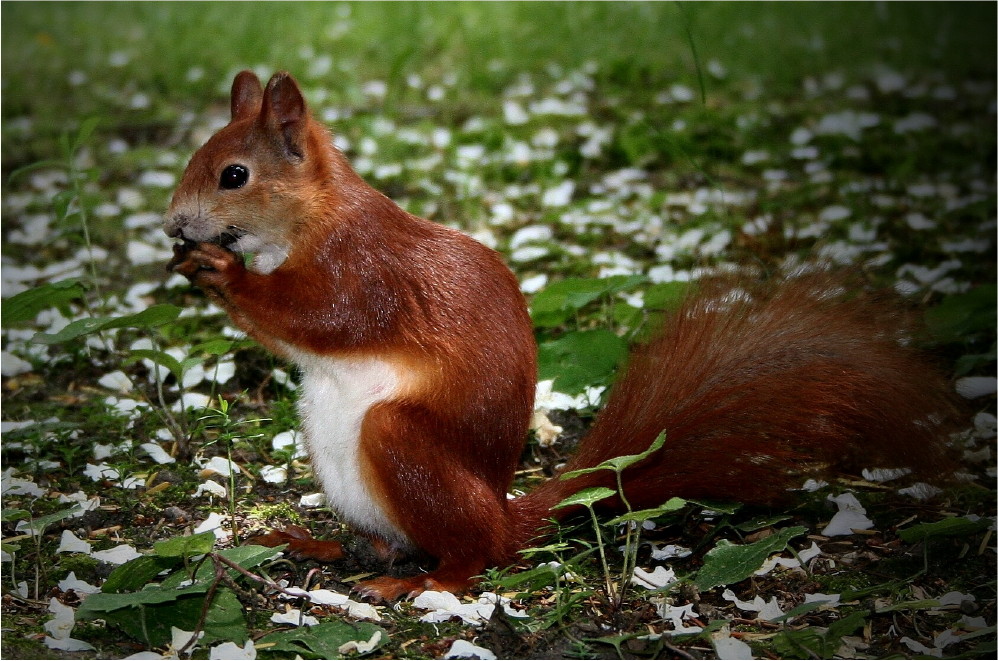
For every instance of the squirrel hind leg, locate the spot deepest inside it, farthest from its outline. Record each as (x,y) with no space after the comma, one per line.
(443,495)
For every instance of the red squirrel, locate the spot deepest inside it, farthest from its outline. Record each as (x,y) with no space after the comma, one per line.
(418,361)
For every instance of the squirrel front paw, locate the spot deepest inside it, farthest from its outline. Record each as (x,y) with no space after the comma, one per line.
(207,265)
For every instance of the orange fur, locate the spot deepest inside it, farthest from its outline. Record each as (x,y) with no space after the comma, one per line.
(748,392)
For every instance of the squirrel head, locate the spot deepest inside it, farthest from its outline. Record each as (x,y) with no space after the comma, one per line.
(253,185)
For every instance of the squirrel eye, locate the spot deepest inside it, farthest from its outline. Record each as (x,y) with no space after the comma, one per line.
(233,176)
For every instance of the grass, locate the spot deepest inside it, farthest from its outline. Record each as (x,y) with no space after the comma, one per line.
(485,45)
(709,135)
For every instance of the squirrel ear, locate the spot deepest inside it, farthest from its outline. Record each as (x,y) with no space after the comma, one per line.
(247,94)
(284,112)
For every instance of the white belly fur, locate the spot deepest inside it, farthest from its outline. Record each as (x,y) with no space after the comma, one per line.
(335,396)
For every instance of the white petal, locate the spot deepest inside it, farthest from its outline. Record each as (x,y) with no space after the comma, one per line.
(224,370)
(67,644)
(274,474)
(434,600)
(116,380)
(294,617)
(158,454)
(214,523)
(11,365)
(62,624)
(233,652)
(210,487)
(118,555)
(463,649)
(221,466)
(77,585)
(361,647)
(819,597)
(313,500)
(189,400)
(560,195)
(659,578)
(971,387)
(70,543)
(727,647)
(851,516)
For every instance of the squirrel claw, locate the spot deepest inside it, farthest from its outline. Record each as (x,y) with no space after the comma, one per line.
(180,251)
(387,589)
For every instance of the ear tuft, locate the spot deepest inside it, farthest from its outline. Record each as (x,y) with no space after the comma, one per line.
(284,112)
(247,95)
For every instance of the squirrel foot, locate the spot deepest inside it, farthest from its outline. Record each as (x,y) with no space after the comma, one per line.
(388,589)
(301,544)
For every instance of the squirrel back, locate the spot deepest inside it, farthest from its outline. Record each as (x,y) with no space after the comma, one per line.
(419,372)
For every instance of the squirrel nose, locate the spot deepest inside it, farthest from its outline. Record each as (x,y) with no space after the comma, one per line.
(173,224)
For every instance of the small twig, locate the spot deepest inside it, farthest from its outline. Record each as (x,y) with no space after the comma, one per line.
(247,573)
(221,563)
(308,577)
(219,575)
(679,653)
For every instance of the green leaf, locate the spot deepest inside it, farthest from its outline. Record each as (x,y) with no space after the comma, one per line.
(558,302)
(846,626)
(26,305)
(225,620)
(761,522)
(618,464)
(963,316)
(160,358)
(956,526)
(587,497)
(190,362)
(9,515)
(535,578)
(246,557)
(615,641)
(803,609)
(912,605)
(62,201)
(729,563)
(39,525)
(666,295)
(136,573)
(188,545)
(581,359)
(38,165)
(87,128)
(324,640)
(151,317)
(215,347)
(39,430)
(718,506)
(671,505)
(971,363)
(149,615)
(811,642)
(105,602)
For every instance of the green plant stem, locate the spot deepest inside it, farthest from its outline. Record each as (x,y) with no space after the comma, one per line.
(178,429)
(611,592)
(630,551)
(232,490)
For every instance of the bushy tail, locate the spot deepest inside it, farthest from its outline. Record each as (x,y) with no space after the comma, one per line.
(754,391)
